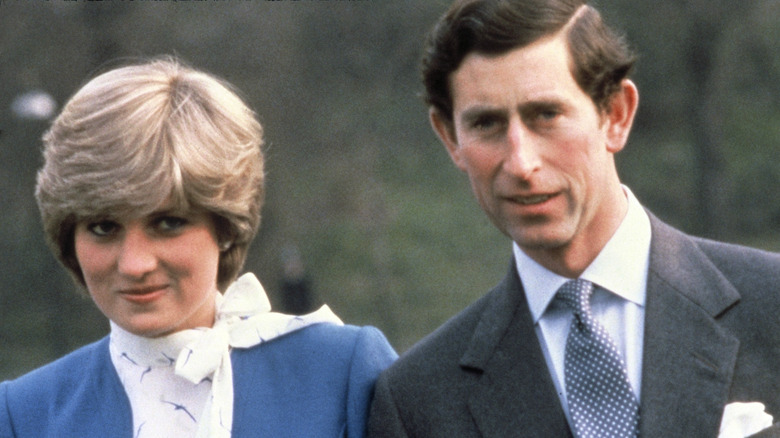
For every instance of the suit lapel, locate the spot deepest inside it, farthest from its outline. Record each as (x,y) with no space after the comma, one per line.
(688,358)
(515,395)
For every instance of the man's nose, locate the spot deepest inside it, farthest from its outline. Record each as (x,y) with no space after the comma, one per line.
(136,257)
(522,158)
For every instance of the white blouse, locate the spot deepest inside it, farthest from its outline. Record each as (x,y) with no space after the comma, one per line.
(163,403)
(182,384)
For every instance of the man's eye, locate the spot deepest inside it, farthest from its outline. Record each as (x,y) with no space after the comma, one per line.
(486,124)
(543,113)
(103,228)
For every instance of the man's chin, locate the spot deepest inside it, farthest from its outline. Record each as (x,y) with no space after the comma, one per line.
(540,241)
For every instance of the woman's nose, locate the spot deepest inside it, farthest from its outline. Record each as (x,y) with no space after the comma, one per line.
(136,256)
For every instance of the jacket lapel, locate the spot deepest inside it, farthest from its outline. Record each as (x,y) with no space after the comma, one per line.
(515,395)
(99,406)
(688,358)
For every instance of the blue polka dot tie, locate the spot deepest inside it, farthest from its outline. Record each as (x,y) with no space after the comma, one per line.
(601,401)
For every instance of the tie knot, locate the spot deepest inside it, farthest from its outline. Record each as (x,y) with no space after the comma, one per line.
(576,295)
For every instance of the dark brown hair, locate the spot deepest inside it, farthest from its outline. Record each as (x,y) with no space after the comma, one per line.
(601,58)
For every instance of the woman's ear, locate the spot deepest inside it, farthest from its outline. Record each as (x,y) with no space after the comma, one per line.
(620,115)
(445,130)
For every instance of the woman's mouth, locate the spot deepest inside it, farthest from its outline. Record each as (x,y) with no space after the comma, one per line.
(143,295)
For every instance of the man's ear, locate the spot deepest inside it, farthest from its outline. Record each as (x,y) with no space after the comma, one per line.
(620,115)
(445,130)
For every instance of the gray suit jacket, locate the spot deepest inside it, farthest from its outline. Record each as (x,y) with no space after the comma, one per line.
(712,336)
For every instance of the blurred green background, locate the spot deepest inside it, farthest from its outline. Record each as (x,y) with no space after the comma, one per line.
(358,186)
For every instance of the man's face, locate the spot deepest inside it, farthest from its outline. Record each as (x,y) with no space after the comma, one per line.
(537,151)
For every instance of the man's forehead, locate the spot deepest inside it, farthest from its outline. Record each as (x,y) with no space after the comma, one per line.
(539,72)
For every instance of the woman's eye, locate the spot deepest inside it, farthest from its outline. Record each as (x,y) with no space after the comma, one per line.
(170,223)
(103,228)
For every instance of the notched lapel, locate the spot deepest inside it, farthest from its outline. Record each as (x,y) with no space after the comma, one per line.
(689,358)
(515,396)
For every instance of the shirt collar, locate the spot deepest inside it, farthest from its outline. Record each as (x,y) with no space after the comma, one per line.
(621,266)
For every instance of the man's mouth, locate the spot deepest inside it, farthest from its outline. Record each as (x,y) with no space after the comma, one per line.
(532,200)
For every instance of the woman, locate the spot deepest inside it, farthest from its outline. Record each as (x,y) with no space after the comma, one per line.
(150,195)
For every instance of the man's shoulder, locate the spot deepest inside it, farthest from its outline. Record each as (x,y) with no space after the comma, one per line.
(736,262)
(730,254)
(753,272)
(438,353)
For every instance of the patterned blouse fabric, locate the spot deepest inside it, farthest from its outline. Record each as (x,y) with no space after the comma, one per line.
(182,384)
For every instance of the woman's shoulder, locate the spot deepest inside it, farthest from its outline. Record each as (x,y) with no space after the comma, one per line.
(336,334)
(76,395)
(62,375)
(327,344)
(330,337)
(35,399)
(314,381)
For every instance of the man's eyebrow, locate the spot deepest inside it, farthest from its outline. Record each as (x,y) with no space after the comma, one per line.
(542,104)
(477,112)
(545,99)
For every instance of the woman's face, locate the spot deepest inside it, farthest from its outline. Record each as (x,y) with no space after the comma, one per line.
(153,275)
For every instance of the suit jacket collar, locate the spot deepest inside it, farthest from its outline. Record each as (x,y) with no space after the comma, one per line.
(515,395)
(688,358)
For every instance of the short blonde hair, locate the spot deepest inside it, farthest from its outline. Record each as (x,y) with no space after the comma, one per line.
(142,136)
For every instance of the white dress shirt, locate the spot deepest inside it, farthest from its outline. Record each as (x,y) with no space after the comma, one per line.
(618,302)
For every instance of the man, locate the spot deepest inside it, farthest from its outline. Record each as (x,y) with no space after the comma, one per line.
(532,100)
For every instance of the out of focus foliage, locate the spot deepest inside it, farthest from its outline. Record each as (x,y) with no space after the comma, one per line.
(386,228)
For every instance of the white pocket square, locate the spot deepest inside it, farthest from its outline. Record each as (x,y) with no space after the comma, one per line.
(743,419)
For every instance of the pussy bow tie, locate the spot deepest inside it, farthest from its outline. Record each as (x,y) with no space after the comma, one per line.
(244,319)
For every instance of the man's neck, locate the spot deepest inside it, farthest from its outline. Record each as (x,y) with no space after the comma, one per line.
(571,260)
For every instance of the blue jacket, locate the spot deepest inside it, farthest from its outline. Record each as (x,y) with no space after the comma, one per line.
(315,382)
